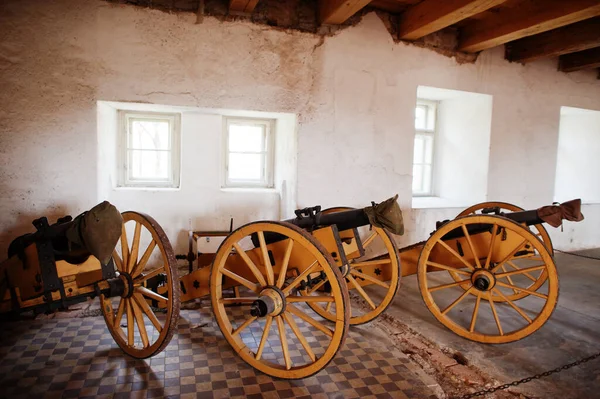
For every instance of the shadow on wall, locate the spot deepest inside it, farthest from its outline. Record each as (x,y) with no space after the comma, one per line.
(23,225)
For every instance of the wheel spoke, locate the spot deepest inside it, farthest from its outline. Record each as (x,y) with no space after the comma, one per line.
(263,339)
(515,307)
(457,300)
(295,311)
(135,247)
(266,260)
(370,278)
(456,254)
(495,314)
(510,255)
(130,326)
(120,311)
(361,291)
(124,247)
(257,274)
(300,277)
(328,307)
(292,299)
(139,318)
(118,261)
(146,309)
(520,271)
(475,312)
(369,240)
(450,285)
(300,336)
(317,286)
(145,257)
(248,284)
(529,276)
(148,276)
(471,247)
(508,278)
(451,268)
(243,326)
(368,263)
(284,345)
(106,304)
(491,250)
(284,265)
(151,294)
(530,292)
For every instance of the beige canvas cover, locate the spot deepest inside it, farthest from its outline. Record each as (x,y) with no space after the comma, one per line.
(98,230)
(387,215)
(554,214)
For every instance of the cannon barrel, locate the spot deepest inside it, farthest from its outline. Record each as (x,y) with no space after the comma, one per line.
(344,220)
(551,214)
(386,214)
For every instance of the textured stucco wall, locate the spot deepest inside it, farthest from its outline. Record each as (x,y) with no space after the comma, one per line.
(354,94)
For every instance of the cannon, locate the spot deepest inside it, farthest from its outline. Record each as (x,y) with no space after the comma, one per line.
(267,273)
(92,255)
(279,290)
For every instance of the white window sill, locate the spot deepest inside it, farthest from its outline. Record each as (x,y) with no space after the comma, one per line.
(437,202)
(249,190)
(141,188)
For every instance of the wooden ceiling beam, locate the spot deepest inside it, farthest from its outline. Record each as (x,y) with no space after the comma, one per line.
(245,6)
(432,15)
(587,59)
(568,39)
(530,18)
(336,12)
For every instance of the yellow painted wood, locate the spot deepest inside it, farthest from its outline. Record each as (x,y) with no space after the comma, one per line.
(304,258)
(512,235)
(382,271)
(540,232)
(136,307)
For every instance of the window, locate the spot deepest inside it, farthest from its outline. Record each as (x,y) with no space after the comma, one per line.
(425,121)
(150,149)
(248,160)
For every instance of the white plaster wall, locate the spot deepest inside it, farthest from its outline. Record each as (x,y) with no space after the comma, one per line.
(200,203)
(354,96)
(463,144)
(578,160)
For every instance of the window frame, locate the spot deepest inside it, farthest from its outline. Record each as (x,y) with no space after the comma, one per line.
(267,182)
(125,118)
(431,120)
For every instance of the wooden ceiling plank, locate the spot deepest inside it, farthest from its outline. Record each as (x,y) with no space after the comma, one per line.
(530,18)
(432,15)
(338,11)
(245,6)
(568,39)
(587,59)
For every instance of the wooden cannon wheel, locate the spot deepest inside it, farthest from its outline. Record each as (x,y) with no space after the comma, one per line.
(481,271)
(539,230)
(134,320)
(386,263)
(302,343)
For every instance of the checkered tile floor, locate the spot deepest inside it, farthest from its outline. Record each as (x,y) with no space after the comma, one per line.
(78,358)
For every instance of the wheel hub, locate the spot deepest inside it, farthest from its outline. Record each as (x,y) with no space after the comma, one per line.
(127,284)
(483,280)
(271,302)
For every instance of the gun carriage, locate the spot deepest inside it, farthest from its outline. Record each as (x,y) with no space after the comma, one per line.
(280,290)
(98,254)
